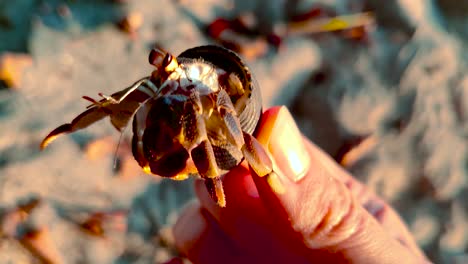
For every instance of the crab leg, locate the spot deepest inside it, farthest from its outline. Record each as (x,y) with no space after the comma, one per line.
(215,189)
(256,156)
(261,163)
(83,120)
(204,159)
(120,109)
(228,114)
(151,90)
(253,151)
(203,155)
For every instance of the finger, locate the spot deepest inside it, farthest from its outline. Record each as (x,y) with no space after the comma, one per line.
(246,221)
(198,236)
(378,208)
(236,219)
(239,190)
(317,204)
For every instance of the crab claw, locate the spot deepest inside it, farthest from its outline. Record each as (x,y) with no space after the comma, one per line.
(83,120)
(63,129)
(119,106)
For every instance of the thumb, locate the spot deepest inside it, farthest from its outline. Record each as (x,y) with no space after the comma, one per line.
(316,203)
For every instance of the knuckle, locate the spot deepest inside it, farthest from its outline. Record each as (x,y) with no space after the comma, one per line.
(330,216)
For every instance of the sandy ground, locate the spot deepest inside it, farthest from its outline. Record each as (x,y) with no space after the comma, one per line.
(390,104)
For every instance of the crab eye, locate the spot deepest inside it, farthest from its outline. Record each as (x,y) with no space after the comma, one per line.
(170,63)
(156,57)
(167,60)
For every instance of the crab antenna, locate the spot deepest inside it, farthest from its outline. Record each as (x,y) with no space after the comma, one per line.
(108,98)
(93,102)
(87,98)
(114,166)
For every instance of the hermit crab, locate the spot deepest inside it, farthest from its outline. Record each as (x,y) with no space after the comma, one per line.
(195,115)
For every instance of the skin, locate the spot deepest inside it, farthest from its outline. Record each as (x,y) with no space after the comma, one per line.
(323,215)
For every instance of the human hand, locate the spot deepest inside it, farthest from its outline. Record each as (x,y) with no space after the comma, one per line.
(323,216)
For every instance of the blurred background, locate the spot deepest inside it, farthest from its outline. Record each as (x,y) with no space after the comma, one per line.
(382,86)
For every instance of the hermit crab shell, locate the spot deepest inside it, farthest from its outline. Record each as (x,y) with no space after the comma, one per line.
(227,60)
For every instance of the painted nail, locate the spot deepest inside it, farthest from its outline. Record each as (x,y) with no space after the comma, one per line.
(275,183)
(285,143)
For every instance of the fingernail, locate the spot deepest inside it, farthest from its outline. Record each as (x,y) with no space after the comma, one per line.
(285,143)
(275,183)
